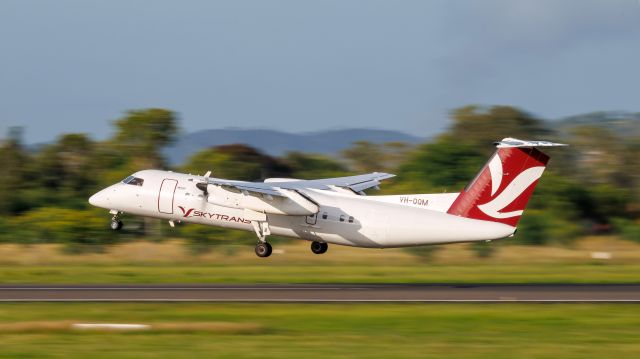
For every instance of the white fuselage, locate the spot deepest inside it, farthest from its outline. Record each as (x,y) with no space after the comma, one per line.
(343,218)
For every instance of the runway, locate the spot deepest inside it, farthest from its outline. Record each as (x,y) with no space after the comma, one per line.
(310,293)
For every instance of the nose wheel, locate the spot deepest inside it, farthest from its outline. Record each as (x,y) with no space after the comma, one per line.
(319,247)
(263,249)
(116,223)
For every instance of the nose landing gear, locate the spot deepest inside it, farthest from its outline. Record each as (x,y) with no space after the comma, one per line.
(319,247)
(116,223)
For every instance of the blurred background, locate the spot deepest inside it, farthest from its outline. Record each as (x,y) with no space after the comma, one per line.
(92,91)
(590,188)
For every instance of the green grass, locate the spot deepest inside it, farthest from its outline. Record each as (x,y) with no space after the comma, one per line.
(334,331)
(265,272)
(172,262)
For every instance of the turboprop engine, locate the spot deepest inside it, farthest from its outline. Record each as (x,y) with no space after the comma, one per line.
(290,203)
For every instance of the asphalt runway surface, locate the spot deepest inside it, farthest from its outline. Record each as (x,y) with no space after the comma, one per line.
(324,293)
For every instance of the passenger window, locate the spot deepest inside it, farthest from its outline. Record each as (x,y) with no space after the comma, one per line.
(342,218)
(324,215)
(350,219)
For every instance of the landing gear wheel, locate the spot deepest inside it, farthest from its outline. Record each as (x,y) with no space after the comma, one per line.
(319,247)
(116,225)
(263,249)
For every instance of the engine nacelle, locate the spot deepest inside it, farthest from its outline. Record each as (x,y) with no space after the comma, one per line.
(293,204)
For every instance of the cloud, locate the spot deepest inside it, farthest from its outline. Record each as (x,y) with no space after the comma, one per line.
(543,24)
(493,46)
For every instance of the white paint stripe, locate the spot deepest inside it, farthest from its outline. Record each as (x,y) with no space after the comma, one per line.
(495,169)
(510,193)
(117,326)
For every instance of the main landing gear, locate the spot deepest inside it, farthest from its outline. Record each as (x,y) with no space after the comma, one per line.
(319,247)
(261,227)
(116,223)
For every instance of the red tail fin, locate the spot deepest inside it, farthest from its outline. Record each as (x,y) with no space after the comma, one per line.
(501,190)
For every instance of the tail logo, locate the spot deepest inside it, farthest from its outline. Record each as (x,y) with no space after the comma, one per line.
(511,192)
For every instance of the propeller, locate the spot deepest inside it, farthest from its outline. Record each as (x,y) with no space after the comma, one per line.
(203,185)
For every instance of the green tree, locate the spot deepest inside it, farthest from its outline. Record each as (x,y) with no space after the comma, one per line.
(539,227)
(311,166)
(395,154)
(632,166)
(364,156)
(143,133)
(481,125)
(64,172)
(237,161)
(601,156)
(13,176)
(444,165)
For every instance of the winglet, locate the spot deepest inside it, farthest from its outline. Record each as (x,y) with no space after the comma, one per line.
(514,142)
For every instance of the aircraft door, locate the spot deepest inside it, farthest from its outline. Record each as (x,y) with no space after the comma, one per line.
(166,194)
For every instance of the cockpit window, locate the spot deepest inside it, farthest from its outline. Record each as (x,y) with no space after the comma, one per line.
(135,181)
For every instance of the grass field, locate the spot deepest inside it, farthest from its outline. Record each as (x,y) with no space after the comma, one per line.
(565,273)
(226,330)
(323,330)
(172,262)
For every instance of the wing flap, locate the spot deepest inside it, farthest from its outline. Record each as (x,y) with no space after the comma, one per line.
(356,183)
(364,185)
(254,187)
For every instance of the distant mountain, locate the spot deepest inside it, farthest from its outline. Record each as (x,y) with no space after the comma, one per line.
(277,143)
(623,124)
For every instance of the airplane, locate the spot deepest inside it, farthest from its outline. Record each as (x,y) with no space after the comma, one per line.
(336,210)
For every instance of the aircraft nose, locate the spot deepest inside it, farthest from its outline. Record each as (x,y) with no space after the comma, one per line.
(99,199)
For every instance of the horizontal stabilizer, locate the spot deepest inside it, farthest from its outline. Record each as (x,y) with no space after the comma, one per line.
(514,142)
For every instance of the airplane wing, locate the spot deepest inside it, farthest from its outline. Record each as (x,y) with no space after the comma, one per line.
(281,196)
(355,183)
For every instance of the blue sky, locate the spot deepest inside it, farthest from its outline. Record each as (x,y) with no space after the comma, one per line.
(74,66)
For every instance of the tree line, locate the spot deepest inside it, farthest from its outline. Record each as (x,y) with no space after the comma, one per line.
(591,187)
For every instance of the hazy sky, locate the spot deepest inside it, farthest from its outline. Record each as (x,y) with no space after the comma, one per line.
(74,66)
